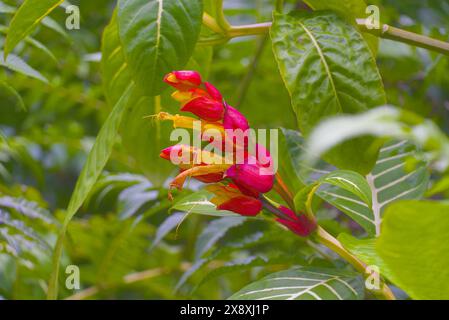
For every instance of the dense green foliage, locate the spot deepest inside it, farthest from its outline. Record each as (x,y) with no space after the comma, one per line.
(81,181)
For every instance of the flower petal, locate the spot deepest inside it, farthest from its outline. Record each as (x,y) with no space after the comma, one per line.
(205,108)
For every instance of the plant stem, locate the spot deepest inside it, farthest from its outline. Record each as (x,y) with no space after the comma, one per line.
(249,29)
(243,89)
(387,32)
(279,6)
(329,241)
(211,23)
(414,39)
(221,18)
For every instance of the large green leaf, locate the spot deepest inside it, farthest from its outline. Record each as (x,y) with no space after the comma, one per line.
(385,122)
(96,161)
(115,71)
(305,284)
(328,69)
(390,180)
(158,36)
(142,138)
(414,244)
(349,9)
(30,13)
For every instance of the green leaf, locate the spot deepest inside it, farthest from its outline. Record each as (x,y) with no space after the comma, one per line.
(135,198)
(214,232)
(328,69)
(4,8)
(52,24)
(365,250)
(392,179)
(37,44)
(30,13)
(346,186)
(251,262)
(166,227)
(92,169)
(158,36)
(99,155)
(349,9)
(143,139)
(199,203)
(305,284)
(385,122)
(27,208)
(290,145)
(115,71)
(15,63)
(11,97)
(414,244)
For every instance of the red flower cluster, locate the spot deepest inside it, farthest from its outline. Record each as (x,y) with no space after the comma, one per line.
(237,186)
(240,184)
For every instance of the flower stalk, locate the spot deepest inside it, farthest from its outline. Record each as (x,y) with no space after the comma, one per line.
(323,237)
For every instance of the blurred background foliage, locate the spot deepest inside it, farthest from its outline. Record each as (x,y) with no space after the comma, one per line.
(123,240)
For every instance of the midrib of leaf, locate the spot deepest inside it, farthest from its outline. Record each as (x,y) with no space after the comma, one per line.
(323,60)
(160,10)
(376,206)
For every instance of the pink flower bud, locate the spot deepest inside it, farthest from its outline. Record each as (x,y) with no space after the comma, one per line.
(233,119)
(251,177)
(183,80)
(213,92)
(299,224)
(205,108)
(167,152)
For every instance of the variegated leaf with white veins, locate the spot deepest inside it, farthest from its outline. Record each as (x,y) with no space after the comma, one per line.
(305,284)
(390,180)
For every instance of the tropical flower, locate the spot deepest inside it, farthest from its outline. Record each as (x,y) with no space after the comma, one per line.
(299,224)
(230,197)
(238,185)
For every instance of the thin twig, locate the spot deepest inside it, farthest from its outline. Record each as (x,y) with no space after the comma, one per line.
(386,32)
(244,86)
